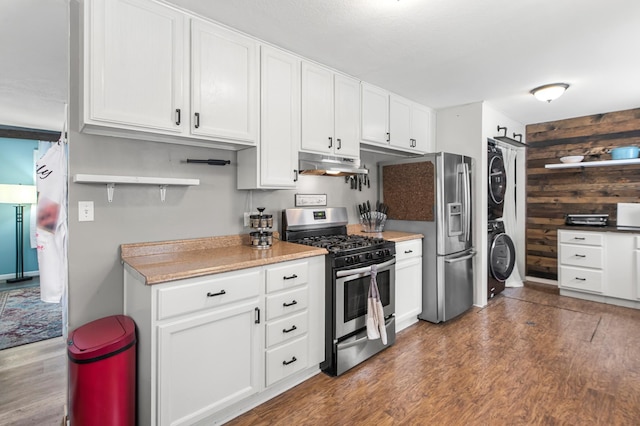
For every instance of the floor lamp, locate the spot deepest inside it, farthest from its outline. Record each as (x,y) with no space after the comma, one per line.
(19,195)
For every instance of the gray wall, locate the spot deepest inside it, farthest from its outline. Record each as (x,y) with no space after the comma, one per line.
(136,214)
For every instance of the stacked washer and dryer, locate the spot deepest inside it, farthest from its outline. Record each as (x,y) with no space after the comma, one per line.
(501,250)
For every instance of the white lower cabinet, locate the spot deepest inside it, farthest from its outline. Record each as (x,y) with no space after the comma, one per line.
(211,347)
(408,282)
(208,362)
(599,266)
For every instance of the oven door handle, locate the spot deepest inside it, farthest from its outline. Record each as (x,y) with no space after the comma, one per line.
(362,339)
(364,269)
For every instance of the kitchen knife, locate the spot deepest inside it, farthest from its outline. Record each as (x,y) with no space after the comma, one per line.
(359,183)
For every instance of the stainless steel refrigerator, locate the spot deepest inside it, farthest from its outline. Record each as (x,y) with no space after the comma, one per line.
(431,195)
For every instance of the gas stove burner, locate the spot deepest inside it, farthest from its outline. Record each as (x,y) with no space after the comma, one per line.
(340,243)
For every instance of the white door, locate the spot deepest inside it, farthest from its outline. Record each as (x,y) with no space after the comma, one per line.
(420,129)
(224,85)
(280,118)
(317,109)
(400,121)
(347,117)
(375,114)
(208,362)
(136,65)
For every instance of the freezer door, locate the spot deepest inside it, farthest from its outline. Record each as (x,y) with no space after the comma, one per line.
(453,188)
(457,284)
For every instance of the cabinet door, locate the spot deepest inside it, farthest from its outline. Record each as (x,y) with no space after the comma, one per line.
(408,291)
(619,271)
(224,84)
(375,114)
(347,117)
(208,362)
(135,65)
(400,122)
(317,109)
(421,128)
(280,115)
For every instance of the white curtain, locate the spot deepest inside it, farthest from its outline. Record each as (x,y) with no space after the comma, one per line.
(509,214)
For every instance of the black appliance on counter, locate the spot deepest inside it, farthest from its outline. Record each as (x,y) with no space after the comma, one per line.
(587,219)
(347,281)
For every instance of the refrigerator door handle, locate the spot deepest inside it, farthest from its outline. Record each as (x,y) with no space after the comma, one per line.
(467,202)
(461,258)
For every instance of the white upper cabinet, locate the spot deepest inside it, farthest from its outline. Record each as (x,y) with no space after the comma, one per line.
(330,113)
(375,114)
(135,73)
(396,123)
(347,116)
(274,163)
(225,83)
(422,128)
(400,122)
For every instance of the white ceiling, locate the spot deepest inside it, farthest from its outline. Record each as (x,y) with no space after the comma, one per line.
(438,52)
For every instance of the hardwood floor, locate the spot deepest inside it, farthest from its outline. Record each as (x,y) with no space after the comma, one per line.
(33,383)
(529,357)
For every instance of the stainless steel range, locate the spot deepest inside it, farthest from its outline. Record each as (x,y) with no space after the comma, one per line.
(348,277)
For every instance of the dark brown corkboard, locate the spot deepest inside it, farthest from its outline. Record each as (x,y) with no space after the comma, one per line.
(408,191)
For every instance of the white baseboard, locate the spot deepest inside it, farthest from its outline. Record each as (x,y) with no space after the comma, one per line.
(26,274)
(542,280)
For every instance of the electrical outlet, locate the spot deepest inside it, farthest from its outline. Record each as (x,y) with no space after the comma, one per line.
(85,211)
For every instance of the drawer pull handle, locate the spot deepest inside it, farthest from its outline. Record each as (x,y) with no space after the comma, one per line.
(257,311)
(579,238)
(293,302)
(581,279)
(294,359)
(408,251)
(216,294)
(290,277)
(293,328)
(581,255)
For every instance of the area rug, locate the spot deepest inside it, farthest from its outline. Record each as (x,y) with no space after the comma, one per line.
(24,318)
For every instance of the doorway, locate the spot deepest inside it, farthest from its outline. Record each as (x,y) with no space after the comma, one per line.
(24,318)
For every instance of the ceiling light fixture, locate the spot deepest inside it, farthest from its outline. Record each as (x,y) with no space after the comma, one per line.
(549,92)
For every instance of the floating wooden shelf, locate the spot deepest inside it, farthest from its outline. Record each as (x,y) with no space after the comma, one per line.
(604,163)
(111,181)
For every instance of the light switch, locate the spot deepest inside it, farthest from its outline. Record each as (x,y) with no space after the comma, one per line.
(85,211)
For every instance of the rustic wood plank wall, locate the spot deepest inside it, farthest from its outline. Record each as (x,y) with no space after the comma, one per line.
(553,193)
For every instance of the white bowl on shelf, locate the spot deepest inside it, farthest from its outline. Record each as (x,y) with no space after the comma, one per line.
(572,159)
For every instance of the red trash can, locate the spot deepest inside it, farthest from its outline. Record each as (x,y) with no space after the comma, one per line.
(102,372)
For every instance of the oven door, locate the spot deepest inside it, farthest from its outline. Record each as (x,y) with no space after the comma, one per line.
(352,291)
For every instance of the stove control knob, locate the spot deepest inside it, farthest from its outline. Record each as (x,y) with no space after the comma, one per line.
(349,260)
(369,256)
(387,252)
(380,253)
(356,258)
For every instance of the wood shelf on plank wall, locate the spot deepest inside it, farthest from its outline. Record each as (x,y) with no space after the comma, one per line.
(554,192)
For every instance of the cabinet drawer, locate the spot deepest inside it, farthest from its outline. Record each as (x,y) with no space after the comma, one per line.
(205,293)
(286,360)
(287,276)
(287,328)
(585,256)
(583,238)
(581,279)
(287,302)
(408,249)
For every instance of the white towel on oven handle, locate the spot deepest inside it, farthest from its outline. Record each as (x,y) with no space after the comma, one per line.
(375,312)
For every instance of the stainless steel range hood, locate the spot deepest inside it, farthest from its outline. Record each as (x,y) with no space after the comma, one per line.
(325,165)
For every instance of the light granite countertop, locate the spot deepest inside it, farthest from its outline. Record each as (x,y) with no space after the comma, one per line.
(164,261)
(395,236)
